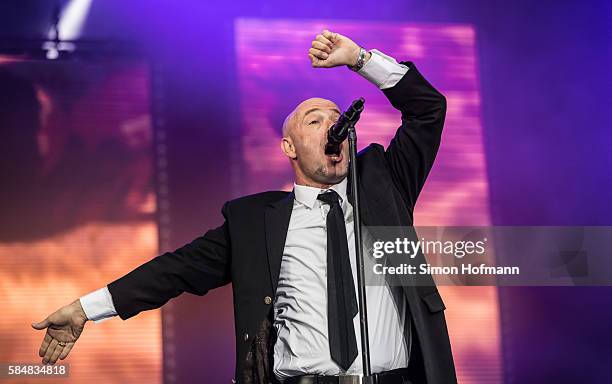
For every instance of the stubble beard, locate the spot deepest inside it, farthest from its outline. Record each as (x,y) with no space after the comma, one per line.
(324,176)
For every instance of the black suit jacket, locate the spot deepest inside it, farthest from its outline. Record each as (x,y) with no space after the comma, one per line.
(247,249)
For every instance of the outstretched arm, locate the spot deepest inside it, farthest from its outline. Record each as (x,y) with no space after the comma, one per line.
(196,268)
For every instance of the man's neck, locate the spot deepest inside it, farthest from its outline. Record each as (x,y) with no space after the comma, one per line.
(313,184)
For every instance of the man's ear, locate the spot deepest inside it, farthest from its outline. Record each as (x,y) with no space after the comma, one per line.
(288,148)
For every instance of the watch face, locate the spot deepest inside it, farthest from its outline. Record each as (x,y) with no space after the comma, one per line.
(359,62)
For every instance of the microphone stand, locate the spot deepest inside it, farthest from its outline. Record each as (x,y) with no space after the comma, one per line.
(361,294)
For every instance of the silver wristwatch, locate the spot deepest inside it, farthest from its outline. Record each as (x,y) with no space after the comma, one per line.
(360,60)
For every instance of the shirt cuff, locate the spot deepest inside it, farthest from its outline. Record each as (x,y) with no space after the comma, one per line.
(98,305)
(382,70)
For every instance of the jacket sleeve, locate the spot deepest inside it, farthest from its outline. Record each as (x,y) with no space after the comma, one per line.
(197,267)
(411,152)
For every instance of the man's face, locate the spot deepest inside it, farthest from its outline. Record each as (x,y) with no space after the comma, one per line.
(305,136)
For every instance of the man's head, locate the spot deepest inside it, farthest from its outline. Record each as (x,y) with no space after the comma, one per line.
(304,138)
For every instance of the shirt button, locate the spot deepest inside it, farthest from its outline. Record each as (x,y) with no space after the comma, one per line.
(268,300)
(246,336)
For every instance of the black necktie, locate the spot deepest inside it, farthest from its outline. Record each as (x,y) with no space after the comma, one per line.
(341,299)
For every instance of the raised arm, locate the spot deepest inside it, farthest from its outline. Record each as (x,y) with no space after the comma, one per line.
(412,151)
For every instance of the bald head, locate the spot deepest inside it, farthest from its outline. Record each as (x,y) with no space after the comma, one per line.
(304,139)
(303,109)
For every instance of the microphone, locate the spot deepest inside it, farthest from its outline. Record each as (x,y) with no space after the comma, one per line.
(339,131)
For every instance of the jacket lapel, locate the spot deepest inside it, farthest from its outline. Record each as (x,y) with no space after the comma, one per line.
(277,216)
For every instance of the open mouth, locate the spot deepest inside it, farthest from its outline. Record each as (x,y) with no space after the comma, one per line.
(335,158)
(331,149)
(333,152)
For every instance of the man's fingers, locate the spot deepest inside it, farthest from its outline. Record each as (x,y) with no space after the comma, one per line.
(313,60)
(49,352)
(66,351)
(324,40)
(331,36)
(317,63)
(58,351)
(318,53)
(42,325)
(44,345)
(321,47)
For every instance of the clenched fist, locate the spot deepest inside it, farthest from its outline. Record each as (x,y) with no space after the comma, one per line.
(64,327)
(330,49)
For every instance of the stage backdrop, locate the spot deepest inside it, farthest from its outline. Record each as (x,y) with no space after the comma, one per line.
(78,208)
(274,75)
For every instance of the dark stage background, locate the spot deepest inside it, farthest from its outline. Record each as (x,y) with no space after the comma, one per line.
(543,72)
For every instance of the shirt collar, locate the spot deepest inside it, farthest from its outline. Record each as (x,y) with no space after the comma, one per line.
(308,195)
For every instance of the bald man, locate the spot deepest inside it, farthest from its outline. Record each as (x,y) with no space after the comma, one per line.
(290,256)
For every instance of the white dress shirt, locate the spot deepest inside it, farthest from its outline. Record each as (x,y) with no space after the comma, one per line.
(300,305)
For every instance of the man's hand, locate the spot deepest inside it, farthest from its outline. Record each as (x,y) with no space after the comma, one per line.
(64,327)
(330,49)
